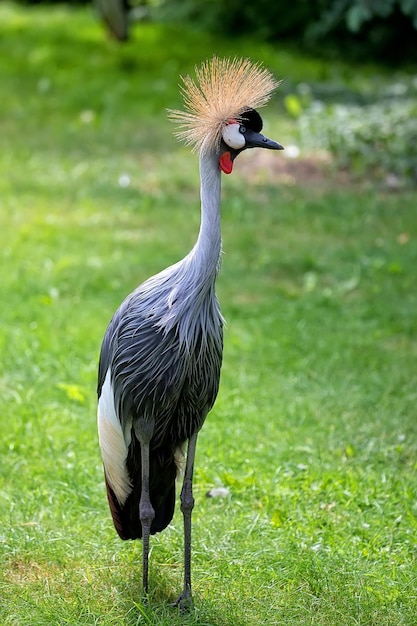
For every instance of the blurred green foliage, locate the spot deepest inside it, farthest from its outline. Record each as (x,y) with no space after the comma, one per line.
(377,132)
(357,28)
(372,29)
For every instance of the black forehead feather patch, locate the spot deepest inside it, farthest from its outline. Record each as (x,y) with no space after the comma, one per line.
(252,120)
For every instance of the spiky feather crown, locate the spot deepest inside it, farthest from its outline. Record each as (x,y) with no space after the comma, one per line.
(224,90)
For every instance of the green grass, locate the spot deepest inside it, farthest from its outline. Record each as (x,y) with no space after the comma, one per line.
(314,430)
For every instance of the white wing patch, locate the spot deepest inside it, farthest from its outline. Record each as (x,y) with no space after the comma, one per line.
(113,443)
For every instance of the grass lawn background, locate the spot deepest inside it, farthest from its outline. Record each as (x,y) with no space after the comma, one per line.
(314,430)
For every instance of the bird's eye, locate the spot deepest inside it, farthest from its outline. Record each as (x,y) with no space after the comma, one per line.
(242,129)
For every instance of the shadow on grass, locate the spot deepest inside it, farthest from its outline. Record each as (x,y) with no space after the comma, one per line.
(159,609)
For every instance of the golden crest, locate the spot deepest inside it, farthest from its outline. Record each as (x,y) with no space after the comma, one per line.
(224,89)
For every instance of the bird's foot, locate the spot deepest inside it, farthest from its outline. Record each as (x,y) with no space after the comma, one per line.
(184,603)
(144,598)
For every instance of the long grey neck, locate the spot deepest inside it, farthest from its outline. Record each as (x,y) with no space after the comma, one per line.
(206,252)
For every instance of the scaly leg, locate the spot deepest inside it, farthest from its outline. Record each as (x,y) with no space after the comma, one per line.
(187,504)
(146,514)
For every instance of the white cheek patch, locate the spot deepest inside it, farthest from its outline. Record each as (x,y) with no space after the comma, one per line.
(233,137)
(113,443)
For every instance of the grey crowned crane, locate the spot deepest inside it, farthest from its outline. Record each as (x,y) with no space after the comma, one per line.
(161,356)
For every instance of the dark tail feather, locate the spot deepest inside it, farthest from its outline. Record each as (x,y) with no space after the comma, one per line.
(163,472)
(116,513)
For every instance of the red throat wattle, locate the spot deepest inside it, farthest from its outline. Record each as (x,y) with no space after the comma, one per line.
(226,163)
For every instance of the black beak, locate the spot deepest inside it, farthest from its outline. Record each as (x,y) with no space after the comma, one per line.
(256,140)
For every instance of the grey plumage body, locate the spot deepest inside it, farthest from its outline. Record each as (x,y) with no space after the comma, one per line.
(168,379)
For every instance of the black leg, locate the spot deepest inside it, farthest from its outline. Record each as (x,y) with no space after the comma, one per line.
(187,504)
(146,514)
